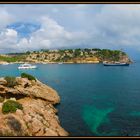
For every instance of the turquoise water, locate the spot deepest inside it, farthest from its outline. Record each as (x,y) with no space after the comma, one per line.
(95,100)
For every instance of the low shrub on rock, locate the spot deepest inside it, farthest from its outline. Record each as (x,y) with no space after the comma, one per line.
(28,76)
(11,106)
(11,81)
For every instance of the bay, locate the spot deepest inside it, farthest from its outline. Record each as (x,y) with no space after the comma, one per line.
(95,100)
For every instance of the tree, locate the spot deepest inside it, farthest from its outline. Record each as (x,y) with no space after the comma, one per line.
(77,52)
(28,52)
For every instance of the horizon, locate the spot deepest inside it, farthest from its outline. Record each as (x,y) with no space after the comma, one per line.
(29,27)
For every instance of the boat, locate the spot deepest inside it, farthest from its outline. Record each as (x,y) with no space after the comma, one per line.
(27,66)
(115,64)
(60,63)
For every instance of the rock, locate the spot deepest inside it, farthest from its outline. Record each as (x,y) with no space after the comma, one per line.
(12,125)
(38,117)
(1,99)
(37,89)
(3,89)
(50,132)
(23,82)
(61,131)
(3,81)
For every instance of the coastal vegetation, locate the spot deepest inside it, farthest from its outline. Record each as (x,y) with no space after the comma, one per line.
(28,76)
(12,58)
(94,55)
(78,56)
(111,55)
(11,106)
(11,81)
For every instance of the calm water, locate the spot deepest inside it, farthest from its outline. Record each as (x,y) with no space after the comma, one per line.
(95,100)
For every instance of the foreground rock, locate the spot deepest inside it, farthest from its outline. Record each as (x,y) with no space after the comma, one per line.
(38,117)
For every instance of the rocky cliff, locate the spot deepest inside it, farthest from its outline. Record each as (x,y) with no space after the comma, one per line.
(78,56)
(68,56)
(37,116)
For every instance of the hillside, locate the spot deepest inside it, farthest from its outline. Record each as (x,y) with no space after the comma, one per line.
(68,56)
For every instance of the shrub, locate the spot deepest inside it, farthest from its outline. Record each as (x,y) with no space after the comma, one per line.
(28,76)
(11,106)
(11,81)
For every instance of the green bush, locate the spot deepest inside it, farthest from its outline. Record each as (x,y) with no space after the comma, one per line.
(11,106)
(11,81)
(28,76)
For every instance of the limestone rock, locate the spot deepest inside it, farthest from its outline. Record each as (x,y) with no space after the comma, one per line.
(31,89)
(3,89)
(38,90)
(3,81)
(38,117)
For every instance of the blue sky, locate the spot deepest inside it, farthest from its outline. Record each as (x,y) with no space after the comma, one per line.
(50,26)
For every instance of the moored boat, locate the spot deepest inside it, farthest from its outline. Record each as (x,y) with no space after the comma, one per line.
(115,64)
(60,63)
(27,66)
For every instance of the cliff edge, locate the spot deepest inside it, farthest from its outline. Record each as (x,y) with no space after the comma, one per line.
(26,109)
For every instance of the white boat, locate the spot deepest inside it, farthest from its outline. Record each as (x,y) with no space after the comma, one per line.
(27,66)
(60,63)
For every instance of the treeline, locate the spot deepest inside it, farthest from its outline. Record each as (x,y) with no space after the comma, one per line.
(65,55)
(112,55)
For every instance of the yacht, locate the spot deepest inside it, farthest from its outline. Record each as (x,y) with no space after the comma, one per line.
(60,63)
(27,66)
(115,64)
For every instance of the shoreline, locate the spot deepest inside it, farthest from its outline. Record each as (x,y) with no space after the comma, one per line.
(60,63)
(6,63)
(66,56)
(89,62)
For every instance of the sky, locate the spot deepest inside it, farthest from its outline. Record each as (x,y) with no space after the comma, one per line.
(28,27)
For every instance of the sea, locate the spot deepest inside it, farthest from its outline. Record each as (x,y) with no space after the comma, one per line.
(96,100)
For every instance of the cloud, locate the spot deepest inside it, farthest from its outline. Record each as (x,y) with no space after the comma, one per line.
(118,25)
(100,26)
(51,35)
(5,17)
(10,33)
(8,40)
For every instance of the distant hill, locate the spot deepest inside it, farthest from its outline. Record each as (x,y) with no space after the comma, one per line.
(94,55)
